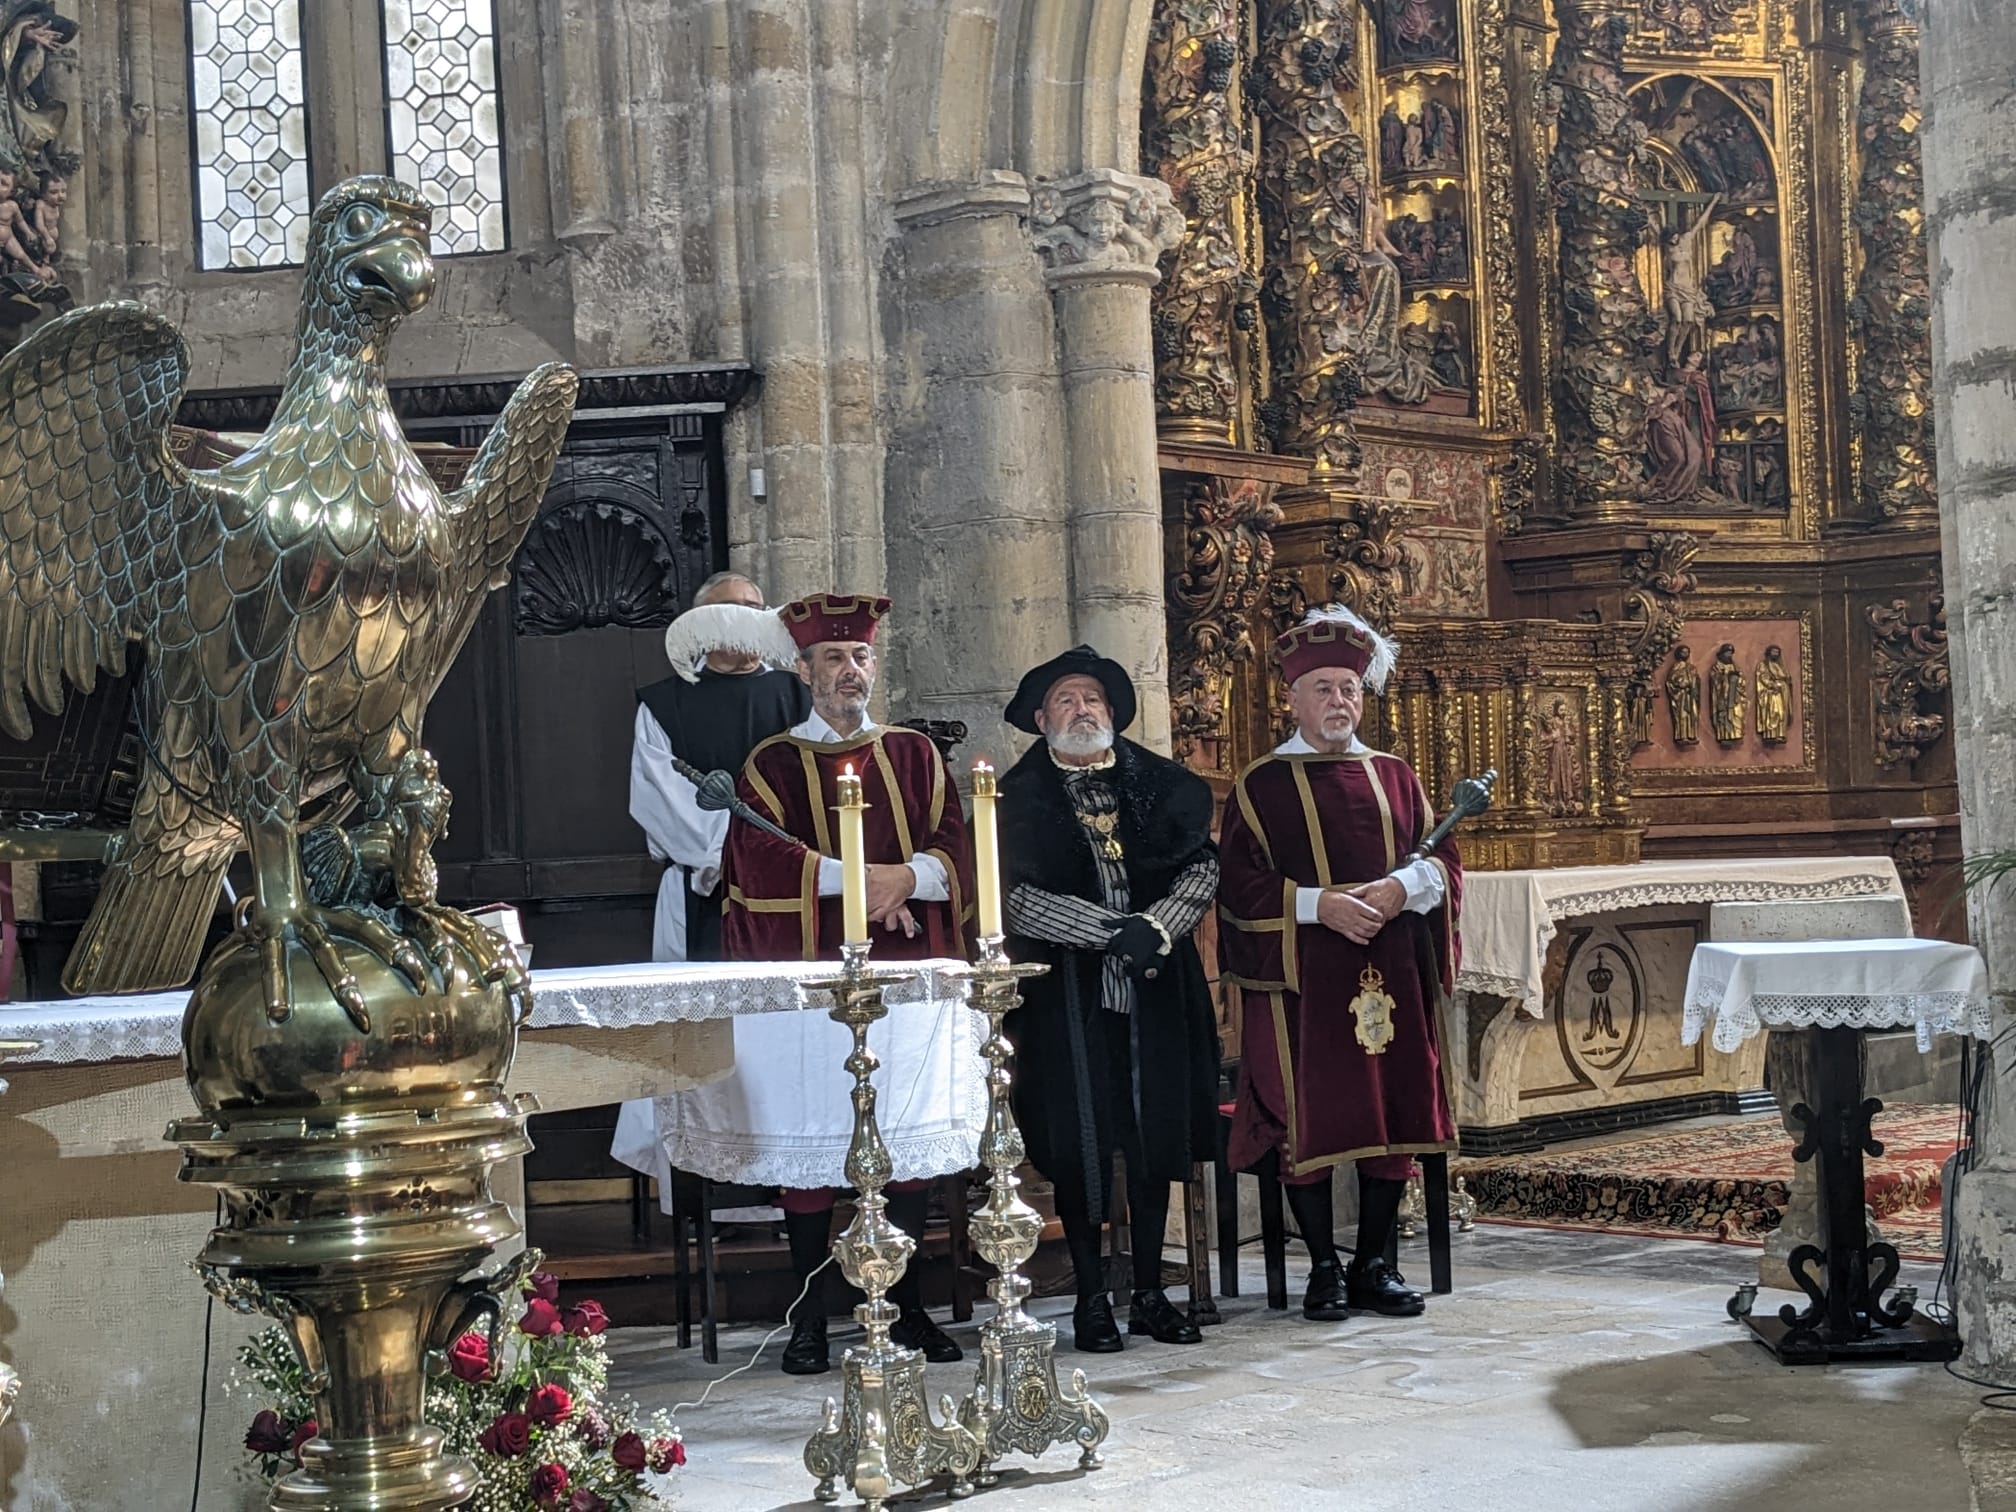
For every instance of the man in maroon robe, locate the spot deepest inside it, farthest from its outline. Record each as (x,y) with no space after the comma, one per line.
(1341,946)
(783,897)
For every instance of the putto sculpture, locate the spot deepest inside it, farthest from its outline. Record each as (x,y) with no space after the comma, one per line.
(298,607)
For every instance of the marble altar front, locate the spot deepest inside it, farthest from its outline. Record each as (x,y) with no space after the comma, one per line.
(1568,1012)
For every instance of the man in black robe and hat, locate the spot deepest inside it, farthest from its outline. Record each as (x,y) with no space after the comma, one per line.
(1108,867)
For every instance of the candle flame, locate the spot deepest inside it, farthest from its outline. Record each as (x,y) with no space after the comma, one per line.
(850,769)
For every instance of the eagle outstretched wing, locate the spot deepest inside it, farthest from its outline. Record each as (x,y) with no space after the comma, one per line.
(500,496)
(90,498)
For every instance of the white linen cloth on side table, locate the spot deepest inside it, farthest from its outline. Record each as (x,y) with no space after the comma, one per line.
(1938,987)
(785,1115)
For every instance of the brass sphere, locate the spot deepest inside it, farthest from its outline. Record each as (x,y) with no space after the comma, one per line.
(437,1049)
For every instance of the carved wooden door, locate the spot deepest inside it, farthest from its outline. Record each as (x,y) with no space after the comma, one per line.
(533,725)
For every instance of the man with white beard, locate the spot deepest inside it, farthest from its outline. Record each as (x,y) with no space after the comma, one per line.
(1108,867)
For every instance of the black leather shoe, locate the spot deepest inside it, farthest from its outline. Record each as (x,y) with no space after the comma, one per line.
(1155,1315)
(1324,1302)
(1093,1330)
(915,1330)
(1375,1286)
(806,1353)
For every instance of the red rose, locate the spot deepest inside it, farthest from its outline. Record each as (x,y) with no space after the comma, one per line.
(508,1437)
(630,1452)
(666,1453)
(469,1357)
(541,1320)
(305,1432)
(549,1484)
(269,1434)
(549,1405)
(586,1320)
(544,1285)
(585,1500)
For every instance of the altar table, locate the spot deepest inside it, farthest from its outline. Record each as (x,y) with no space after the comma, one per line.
(1566,1019)
(101,1313)
(785,1116)
(1835,990)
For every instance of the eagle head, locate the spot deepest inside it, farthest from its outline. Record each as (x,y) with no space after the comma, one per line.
(368,260)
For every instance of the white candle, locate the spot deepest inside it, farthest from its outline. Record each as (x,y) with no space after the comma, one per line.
(986,849)
(853,861)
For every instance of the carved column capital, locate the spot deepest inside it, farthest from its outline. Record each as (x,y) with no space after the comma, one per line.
(1103,227)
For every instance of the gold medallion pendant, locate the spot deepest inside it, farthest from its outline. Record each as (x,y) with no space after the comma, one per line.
(1373,1008)
(1104,826)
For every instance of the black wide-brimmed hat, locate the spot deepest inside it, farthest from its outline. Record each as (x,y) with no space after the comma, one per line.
(1079,661)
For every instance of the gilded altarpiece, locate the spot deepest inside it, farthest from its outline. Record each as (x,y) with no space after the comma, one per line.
(1583,344)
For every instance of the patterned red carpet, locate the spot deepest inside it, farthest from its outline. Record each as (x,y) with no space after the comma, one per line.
(1729,1182)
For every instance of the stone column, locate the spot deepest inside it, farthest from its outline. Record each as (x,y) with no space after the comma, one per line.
(1605,376)
(1192,137)
(978,542)
(1100,235)
(1968,58)
(1890,411)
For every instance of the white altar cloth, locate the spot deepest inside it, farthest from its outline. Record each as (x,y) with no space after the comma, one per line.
(785,1116)
(1938,987)
(89,1030)
(1510,917)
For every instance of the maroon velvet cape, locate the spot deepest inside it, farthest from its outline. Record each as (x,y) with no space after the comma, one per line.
(1307,1087)
(773,910)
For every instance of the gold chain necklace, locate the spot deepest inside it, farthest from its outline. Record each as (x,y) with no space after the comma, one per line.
(1104,827)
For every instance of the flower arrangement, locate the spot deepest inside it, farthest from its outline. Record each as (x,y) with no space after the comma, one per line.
(527,1410)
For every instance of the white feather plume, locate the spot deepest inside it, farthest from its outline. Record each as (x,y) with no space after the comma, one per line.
(1384,651)
(727,627)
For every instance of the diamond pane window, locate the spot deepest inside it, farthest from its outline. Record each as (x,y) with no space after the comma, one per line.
(441,117)
(249,127)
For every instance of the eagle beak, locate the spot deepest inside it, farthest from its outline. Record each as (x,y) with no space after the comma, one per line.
(394,273)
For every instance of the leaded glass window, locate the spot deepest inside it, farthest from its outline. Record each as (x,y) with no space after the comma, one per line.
(441,116)
(250,122)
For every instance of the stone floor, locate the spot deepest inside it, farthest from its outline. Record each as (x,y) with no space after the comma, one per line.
(1567,1371)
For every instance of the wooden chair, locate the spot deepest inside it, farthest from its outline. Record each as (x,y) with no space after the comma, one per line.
(1274,1228)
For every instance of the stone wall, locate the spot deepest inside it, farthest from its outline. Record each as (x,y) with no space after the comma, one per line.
(1968,59)
(838,192)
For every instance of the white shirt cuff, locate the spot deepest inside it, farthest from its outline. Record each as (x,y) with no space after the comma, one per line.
(932,884)
(1423,881)
(829,877)
(1306,899)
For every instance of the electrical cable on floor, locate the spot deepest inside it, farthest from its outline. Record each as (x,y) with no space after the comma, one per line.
(1974,1066)
(803,1292)
(203,1389)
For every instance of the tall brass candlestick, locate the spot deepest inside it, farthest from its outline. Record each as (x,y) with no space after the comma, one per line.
(1016,1402)
(881,1432)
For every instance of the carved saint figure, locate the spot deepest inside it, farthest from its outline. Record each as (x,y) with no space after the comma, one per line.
(1392,142)
(1414,144)
(1416,31)
(18,238)
(1725,696)
(1439,123)
(30,30)
(1688,309)
(1561,758)
(1683,697)
(1388,364)
(1774,698)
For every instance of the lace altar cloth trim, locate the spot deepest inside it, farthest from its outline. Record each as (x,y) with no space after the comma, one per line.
(149,1027)
(784,1116)
(1936,987)
(1511,917)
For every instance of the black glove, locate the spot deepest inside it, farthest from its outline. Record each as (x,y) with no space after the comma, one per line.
(1138,944)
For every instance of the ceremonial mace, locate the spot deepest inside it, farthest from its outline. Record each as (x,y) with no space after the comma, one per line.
(1016,1401)
(1472,797)
(881,1432)
(715,791)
